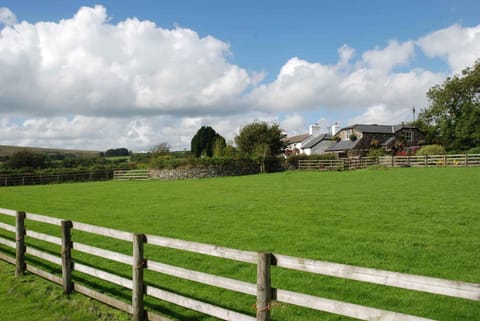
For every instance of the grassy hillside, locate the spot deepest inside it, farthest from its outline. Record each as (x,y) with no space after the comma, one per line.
(6,150)
(419,221)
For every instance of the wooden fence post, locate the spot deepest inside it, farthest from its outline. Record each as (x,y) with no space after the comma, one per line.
(67,263)
(466,159)
(137,276)
(426,160)
(20,244)
(264,287)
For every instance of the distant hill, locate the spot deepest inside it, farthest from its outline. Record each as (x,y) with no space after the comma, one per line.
(6,150)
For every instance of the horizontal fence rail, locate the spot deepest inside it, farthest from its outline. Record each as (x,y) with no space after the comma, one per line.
(132,175)
(262,289)
(37,179)
(459,160)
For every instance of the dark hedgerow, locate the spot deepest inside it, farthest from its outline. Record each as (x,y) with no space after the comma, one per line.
(172,162)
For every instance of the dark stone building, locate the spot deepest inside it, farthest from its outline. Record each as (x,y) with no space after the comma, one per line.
(358,140)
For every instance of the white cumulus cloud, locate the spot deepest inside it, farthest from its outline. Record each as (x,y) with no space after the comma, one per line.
(7,17)
(84,82)
(384,59)
(87,66)
(355,85)
(459,45)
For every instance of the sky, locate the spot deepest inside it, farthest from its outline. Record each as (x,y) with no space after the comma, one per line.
(107,74)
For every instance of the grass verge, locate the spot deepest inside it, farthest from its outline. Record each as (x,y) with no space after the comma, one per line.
(32,298)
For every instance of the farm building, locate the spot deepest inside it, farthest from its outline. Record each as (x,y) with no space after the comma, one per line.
(315,142)
(358,139)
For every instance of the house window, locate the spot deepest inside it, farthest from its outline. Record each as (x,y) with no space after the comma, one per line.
(409,136)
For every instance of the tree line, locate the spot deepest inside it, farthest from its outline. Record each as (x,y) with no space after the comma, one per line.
(452,118)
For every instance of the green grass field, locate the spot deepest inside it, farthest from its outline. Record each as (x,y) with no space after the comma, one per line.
(419,221)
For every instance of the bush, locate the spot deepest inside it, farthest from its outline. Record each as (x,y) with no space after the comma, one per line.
(272,164)
(376,152)
(167,161)
(474,150)
(431,150)
(28,160)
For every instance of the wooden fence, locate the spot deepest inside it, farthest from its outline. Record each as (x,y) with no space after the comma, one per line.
(336,164)
(262,290)
(10,180)
(459,160)
(132,175)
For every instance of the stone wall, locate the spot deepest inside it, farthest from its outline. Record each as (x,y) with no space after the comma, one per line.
(202,172)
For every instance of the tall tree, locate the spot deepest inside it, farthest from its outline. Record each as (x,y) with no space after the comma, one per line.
(203,142)
(27,159)
(453,117)
(259,138)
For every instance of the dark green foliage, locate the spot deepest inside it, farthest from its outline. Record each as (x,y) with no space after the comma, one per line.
(474,150)
(117,152)
(204,141)
(27,159)
(172,162)
(274,164)
(260,140)
(453,117)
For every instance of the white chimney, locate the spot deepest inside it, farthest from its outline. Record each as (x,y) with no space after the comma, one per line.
(335,129)
(315,130)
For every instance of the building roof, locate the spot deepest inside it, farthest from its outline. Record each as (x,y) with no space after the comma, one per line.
(377,129)
(342,145)
(389,141)
(316,140)
(296,139)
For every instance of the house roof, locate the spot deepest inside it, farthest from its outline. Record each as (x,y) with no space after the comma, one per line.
(377,129)
(389,141)
(342,145)
(316,140)
(296,139)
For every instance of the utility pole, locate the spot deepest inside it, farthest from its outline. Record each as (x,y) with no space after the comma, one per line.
(413,109)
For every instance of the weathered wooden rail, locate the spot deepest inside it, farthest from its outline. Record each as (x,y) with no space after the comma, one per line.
(458,160)
(262,289)
(80,176)
(336,164)
(131,175)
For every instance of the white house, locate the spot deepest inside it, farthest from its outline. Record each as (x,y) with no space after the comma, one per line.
(312,143)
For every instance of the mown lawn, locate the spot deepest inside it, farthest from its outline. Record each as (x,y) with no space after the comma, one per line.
(421,221)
